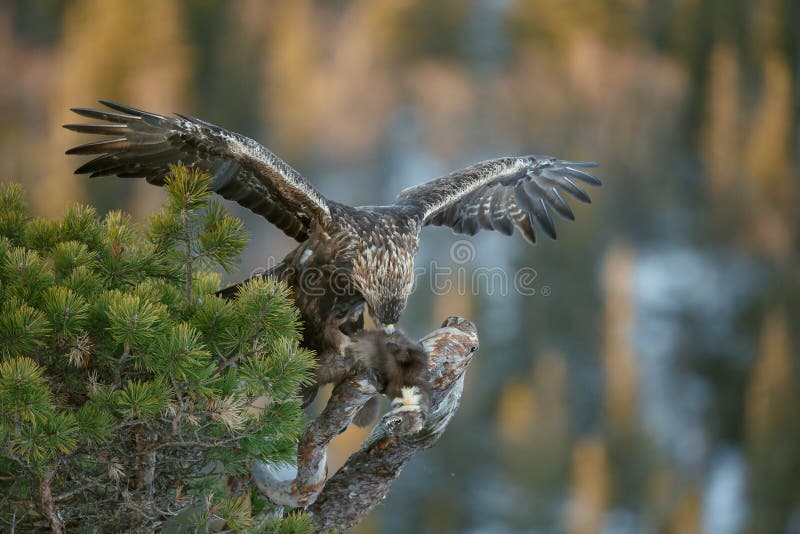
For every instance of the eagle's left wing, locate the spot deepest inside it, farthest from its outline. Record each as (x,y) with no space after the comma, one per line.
(144,145)
(501,194)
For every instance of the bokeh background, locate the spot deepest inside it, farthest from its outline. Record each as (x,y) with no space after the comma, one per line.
(651,383)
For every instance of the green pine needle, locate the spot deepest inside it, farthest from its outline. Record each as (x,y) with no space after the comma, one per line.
(81,223)
(25,273)
(66,311)
(56,436)
(24,395)
(135,321)
(142,400)
(12,212)
(95,425)
(68,255)
(22,328)
(114,348)
(188,189)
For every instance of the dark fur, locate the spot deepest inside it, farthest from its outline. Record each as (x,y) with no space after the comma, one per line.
(397,361)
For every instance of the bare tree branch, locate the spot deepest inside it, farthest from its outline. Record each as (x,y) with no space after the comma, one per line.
(296,488)
(48,504)
(363,482)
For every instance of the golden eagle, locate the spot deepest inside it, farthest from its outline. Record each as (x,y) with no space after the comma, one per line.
(348,257)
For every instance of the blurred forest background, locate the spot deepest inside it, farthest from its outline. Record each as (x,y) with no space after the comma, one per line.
(652,382)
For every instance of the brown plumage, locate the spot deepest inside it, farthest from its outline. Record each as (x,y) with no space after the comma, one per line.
(348,258)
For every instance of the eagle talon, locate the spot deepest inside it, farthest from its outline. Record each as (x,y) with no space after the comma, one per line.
(407,423)
(393,421)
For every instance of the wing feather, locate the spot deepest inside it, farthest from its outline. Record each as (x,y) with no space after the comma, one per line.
(485,210)
(145,144)
(103,115)
(502,194)
(523,223)
(99,129)
(500,217)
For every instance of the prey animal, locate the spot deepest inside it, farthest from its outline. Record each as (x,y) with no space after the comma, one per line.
(348,259)
(400,366)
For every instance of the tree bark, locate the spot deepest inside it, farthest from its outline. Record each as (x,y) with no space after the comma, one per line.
(48,503)
(347,497)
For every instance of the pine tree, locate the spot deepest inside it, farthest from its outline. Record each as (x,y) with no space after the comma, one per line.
(131,396)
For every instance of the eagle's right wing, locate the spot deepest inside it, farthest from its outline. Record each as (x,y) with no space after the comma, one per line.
(144,145)
(501,194)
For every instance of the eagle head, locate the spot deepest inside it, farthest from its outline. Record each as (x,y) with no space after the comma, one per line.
(385,305)
(383,264)
(387,312)
(384,277)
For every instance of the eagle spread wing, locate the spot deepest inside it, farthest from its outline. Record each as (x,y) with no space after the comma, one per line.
(144,145)
(502,194)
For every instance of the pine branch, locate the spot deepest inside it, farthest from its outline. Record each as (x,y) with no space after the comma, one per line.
(126,355)
(48,504)
(348,496)
(145,448)
(114,411)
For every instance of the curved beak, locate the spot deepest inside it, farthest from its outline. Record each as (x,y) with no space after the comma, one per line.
(388,329)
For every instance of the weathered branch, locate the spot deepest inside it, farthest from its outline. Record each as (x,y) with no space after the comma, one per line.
(296,488)
(145,476)
(365,479)
(348,496)
(48,504)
